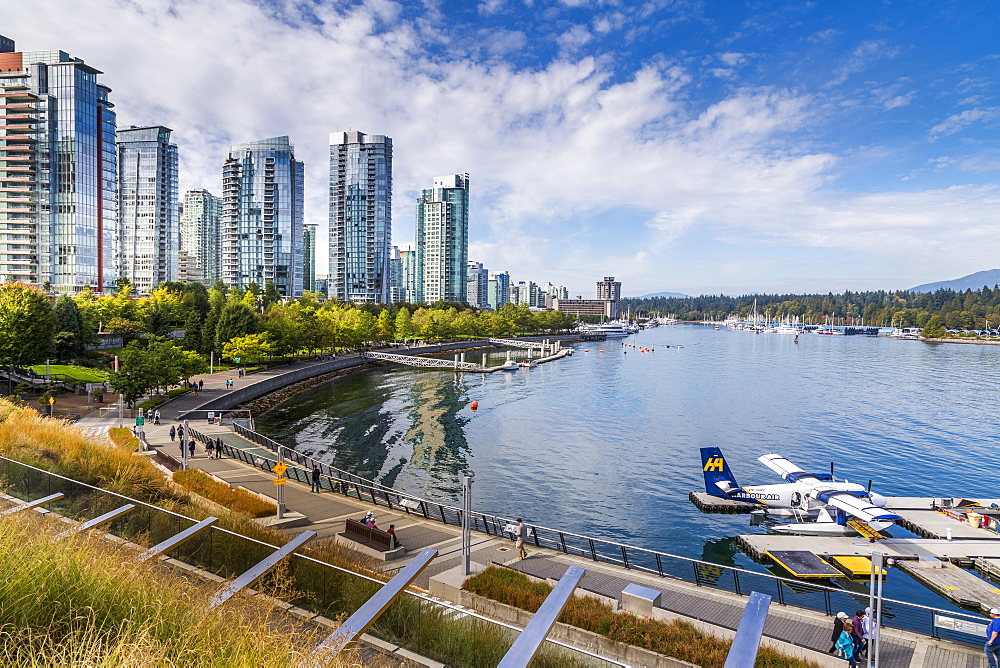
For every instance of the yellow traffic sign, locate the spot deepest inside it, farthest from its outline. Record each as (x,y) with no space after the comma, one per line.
(52,400)
(280,481)
(280,468)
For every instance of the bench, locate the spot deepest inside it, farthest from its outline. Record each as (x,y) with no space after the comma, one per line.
(369,540)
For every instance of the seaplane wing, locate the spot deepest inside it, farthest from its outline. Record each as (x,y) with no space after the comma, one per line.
(790,472)
(854,503)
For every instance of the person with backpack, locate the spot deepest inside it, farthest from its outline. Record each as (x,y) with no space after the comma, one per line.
(173,433)
(210,448)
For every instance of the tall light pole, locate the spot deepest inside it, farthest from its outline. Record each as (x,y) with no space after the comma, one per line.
(875,606)
(467,522)
(184,446)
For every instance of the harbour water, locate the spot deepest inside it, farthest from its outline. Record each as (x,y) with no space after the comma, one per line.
(607,443)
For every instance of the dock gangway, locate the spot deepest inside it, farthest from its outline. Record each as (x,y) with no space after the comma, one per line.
(425,362)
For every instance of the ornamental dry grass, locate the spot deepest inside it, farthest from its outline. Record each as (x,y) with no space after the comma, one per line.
(54,446)
(676,639)
(239,500)
(83,602)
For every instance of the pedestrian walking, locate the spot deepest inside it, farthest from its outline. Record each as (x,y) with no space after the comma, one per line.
(173,432)
(156,417)
(993,639)
(315,479)
(522,535)
(191,447)
(180,433)
(210,449)
(201,385)
(858,633)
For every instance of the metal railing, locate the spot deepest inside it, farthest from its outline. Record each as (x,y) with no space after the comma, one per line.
(321,585)
(786,591)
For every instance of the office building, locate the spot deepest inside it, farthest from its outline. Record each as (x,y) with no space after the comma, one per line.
(58,171)
(477,283)
(606,305)
(360,216)
(408,267)
(262,220)
(442,232)
(147,241)
(497,289)
(309,258)
(201,237)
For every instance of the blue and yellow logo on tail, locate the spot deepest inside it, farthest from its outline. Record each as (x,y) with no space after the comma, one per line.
(716,470)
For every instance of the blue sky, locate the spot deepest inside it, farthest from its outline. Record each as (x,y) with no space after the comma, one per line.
(684,146)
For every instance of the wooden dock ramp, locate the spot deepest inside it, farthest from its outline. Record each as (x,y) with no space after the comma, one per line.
(804,564)
(954,583)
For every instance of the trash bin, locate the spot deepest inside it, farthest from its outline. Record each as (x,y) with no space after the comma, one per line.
(974,519)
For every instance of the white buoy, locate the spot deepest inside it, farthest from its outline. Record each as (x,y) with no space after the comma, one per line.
(949,533)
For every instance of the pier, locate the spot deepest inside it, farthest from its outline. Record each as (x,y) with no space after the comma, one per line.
(457,364)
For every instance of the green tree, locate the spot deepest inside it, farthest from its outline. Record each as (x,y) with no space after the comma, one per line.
(934,329)
(404,325)
(192,339)
(236,319)
(271,295)
(26,325)
(129,329)
(68,327)
(384,326)
(248,349)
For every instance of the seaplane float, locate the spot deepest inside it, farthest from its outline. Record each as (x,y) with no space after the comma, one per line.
(820,504)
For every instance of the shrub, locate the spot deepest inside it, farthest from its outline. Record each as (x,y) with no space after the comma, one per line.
(123,438)
(238,500)
(677,639)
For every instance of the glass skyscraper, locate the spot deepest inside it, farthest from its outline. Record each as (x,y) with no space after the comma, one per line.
(309,258)
(408,269)
(360,216)
(147,243)
(262,221)
(498,289)
(443,240)
(201,236)
(58,172)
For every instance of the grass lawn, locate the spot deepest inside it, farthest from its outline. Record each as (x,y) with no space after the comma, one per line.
(78,372)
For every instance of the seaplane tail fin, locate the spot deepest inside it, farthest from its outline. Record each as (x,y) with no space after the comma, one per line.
(719,480)
(857,506)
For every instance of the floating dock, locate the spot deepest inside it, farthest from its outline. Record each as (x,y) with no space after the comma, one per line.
(804,564)
(954,583)
(854,567)
(708,503)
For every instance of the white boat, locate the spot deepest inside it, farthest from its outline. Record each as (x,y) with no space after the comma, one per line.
(509,365)
(612,330)
(528,363)
(906,333)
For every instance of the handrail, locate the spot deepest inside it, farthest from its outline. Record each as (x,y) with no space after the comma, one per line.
(558,541)
(425,597)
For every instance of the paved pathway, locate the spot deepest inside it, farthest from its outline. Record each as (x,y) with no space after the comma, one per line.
(327,512)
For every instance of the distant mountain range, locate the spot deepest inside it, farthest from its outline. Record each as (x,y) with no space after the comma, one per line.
(668,295)
(976,281)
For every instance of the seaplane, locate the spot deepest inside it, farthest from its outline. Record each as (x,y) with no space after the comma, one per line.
(822,505)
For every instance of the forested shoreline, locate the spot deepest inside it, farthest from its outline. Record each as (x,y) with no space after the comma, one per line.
(969,309)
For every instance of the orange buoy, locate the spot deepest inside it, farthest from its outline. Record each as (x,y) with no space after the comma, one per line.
(600,351)
(475,405)
(586,350)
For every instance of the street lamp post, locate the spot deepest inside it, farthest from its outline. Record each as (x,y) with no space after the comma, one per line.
(875,607)
(467,522)
(184,445)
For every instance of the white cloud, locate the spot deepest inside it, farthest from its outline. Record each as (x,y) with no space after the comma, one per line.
(957,122)
(574,38)
(551,147)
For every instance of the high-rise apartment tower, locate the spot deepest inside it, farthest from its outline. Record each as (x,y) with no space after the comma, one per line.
(443,240)
(360,216)
(476,285)
(201,236)
(262,223)
(309,258)
(58,172)
(147,242)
